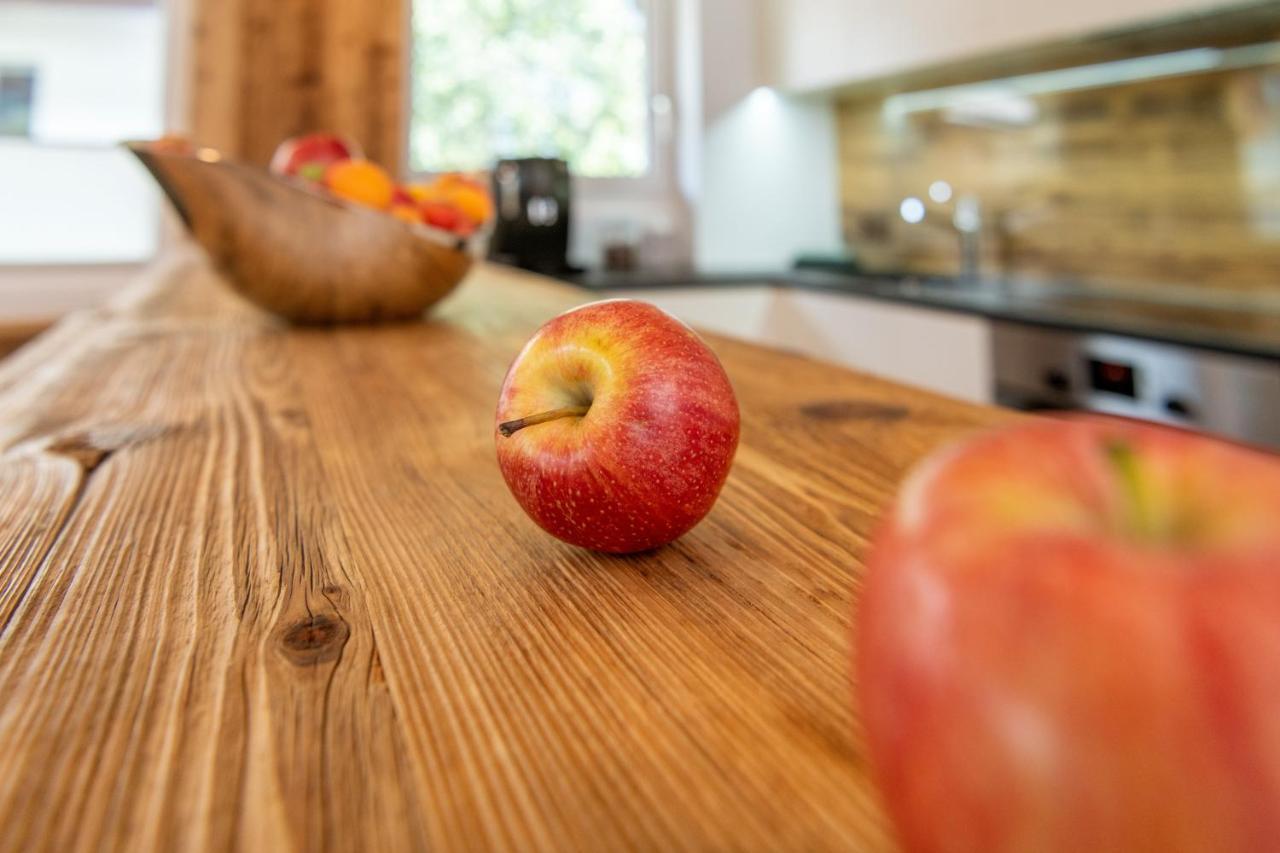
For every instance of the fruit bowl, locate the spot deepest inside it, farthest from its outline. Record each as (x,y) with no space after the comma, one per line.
(300,254)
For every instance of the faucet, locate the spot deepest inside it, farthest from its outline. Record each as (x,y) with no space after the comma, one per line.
(967,219)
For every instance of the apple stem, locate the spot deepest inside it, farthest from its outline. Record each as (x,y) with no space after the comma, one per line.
(510,428)
(1125,463)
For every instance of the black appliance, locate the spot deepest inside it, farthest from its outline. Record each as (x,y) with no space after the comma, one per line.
(533,215)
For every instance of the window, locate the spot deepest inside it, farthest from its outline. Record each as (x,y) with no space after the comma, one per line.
(512,78)
(16,88)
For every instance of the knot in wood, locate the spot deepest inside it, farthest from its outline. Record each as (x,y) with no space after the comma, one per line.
(853,410)
(315,639)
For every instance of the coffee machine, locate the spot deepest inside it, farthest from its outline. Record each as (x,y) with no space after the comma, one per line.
(531,228)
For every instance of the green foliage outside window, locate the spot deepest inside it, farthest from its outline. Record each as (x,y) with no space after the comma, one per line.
(512,78)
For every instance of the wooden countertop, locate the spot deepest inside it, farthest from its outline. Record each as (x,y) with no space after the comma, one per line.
(15,333)
(264,588)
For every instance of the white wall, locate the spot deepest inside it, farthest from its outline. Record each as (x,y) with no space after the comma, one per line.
(765,186)
(769,184)
(69,195)
(815,44)
(731,37)
(99,67)
(66,205)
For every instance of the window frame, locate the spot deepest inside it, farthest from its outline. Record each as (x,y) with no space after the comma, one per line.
(660,73)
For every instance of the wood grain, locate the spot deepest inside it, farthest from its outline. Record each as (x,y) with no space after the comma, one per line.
(1136,186)
(263,588)
(264,70)
(15,333)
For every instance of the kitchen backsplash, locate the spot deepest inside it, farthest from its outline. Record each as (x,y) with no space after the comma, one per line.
(1168,181)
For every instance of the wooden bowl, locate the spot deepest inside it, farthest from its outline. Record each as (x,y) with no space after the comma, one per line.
(301,254)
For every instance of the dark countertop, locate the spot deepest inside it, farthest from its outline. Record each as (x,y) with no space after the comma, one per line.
(1183,318)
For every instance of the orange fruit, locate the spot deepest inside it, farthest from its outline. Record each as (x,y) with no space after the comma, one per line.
(449,180)
(360,181)
(472,200)
(423,193)
(407,213)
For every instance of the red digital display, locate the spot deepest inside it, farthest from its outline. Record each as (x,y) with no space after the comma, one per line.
(1114,377)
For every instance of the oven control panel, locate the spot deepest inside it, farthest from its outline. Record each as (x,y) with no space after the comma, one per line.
(1038,368)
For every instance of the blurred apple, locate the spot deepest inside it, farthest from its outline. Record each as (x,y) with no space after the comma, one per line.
(616,427)
(309,156)
(441,215)
(400,197)
(1069,639)
(425,192)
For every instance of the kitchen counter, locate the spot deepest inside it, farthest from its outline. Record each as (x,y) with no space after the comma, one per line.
(264,586)
(15,333)
(1177,318)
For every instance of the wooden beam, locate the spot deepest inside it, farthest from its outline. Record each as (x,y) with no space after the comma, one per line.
(263,70)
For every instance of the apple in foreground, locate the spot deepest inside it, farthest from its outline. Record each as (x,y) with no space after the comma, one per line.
(308,156)
(1069,639)
(616,427)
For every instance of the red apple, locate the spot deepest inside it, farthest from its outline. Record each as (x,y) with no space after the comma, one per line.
(1069,639)
(308,156)
(439,215)
(616,427)
(400,197)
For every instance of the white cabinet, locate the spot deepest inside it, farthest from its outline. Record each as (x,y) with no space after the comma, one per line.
(818,44)
(939,350)
(739,312)
(942,351)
